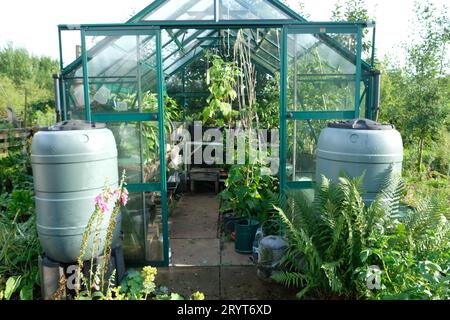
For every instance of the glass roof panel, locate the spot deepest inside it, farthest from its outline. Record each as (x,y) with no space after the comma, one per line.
(250,10)
(183,10)
(192,10)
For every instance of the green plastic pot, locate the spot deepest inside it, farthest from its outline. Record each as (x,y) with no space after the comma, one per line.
(245,235)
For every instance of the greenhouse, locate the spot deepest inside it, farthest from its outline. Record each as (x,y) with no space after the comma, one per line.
(153,75)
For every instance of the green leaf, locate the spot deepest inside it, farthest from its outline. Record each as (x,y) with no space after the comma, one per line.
(26,293)
(12,284)
(176,296)
(365,254)
(98,295)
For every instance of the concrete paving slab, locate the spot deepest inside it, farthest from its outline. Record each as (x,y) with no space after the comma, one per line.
(195,252)
(231,258)
(196,217)
(242,283)
(188,280)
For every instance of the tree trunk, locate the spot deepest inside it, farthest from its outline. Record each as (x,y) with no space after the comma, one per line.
(420,160)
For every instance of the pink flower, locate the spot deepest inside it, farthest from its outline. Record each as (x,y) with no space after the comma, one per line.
(101,203)
(124,197)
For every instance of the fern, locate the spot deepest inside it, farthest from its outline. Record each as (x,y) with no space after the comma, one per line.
(333,239)
(420,222)
(327,237)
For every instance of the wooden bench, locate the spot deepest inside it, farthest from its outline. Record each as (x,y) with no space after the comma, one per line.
(205,174)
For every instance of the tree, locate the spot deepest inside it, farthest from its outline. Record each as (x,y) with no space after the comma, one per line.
(9,96)
(23,74)
(352,10)
(426,61)
(298,6)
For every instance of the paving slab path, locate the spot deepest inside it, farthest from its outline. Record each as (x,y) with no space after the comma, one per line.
(202,260)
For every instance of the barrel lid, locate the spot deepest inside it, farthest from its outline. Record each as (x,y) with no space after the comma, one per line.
(75,125)
(360,124)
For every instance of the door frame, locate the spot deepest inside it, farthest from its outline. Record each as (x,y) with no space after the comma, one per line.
(158,117)
(286,115)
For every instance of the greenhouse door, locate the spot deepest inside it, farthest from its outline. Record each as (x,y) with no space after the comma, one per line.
(320,82)
(123,69)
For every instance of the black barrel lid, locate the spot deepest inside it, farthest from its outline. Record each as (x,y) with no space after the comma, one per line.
(360,124)
(75,125)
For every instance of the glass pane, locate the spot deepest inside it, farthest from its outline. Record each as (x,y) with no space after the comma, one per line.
(133,227)
(302,137)
(142,228)
(184,10)
(138,147)
(249,9)
(74,97)
(320,77)
(189,45)
(364,94)
(154,248)
(71,46)
(122,73)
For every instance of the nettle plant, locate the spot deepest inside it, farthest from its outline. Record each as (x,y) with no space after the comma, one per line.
(221,78)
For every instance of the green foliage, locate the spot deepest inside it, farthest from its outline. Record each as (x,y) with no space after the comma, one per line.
(150,129)
(222,77)
(327,237)
(19,274)
(15,173)
(413,256)
(268,107)
(94,282)
(94,285)
(9,95)
(20,72)
(335,241)
(43,118)
(249,192)
(352,10)
(141,286)
(417,96)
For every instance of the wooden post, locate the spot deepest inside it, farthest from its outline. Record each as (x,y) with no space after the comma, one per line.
(26,109)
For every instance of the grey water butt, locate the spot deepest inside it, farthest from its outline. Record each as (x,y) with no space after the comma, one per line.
(71,162)
(357,147)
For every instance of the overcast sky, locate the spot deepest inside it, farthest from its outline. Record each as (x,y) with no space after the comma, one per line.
(33,24)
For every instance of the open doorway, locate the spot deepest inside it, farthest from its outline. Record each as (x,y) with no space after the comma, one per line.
(225,87)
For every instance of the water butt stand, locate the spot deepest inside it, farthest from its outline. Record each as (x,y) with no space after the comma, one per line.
(71,162)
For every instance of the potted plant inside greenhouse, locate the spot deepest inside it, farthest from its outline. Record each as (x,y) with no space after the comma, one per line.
(250,196)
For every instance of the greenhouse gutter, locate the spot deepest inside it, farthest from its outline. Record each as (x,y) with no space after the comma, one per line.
(214,25)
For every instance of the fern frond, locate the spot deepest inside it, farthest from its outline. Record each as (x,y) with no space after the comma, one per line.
(391,194)
(290,279)
(331,273)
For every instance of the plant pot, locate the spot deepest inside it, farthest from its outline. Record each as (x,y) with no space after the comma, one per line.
(229,222)
(245,235)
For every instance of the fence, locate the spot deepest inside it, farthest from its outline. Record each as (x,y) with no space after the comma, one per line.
(13,138)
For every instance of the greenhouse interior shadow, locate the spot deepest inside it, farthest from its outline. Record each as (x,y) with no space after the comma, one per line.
(169,67)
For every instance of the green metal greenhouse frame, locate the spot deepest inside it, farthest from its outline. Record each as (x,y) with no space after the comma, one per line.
(188,31)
